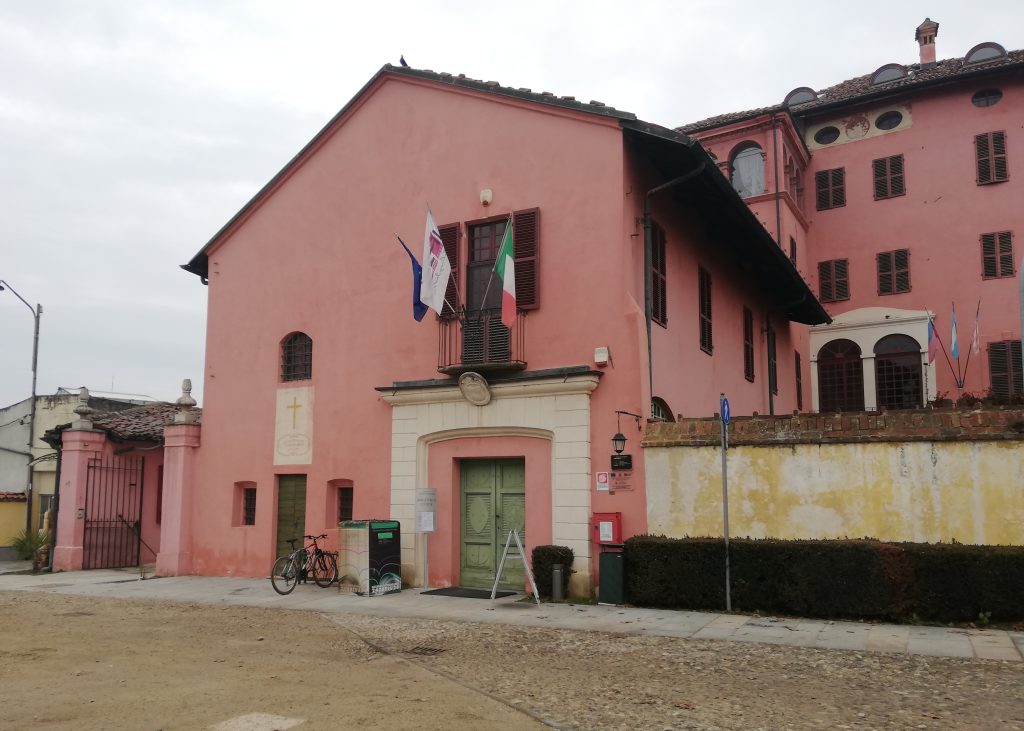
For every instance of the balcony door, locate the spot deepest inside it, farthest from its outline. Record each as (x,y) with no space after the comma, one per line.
(484,338)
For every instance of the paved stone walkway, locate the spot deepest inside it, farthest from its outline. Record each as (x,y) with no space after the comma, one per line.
(985,644)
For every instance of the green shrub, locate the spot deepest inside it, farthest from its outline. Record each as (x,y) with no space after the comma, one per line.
(835,578)
(542,559)
(28,542)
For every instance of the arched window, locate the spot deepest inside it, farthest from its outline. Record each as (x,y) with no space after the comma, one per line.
(840,377)
(660,410)
(297,357)
(747,170)
(898,377)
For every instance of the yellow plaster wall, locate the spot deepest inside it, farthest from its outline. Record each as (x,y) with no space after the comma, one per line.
(12,521)
(972,492)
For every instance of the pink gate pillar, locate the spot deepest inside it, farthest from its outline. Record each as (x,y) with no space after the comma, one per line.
(181,446)
(79,444)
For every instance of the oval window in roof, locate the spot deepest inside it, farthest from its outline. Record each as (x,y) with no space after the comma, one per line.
(800,95)
(826,135)
(889,72)
(986,98)
(984,52)
(888,120)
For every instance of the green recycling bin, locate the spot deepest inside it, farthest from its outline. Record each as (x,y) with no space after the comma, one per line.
(612,576)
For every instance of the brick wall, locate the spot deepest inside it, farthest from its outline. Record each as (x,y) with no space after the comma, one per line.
(919,425)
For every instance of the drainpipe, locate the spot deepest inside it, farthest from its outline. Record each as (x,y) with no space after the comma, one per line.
(648,245)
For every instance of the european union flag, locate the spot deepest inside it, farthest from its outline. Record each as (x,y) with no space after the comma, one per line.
(418,308)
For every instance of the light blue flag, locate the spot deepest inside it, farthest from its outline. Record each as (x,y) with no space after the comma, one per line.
(955,347)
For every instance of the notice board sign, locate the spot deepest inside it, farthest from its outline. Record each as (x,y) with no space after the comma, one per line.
(426,510)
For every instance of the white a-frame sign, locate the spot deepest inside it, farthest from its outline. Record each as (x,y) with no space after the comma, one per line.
(514,535)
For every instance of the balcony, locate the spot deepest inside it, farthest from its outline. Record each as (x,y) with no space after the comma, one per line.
(478,341)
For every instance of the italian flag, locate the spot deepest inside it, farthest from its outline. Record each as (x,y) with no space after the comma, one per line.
(506,268)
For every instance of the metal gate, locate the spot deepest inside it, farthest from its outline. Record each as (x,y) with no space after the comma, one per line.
(113,512)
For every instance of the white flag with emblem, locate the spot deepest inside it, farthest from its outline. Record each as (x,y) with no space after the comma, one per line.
(436,267)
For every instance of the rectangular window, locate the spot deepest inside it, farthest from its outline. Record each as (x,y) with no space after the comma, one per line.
(894,271)
(834,280)
(345,495)
(748,344)
(249,506)
(792,250)
(799,381)
(888,172)
(45,503)
(990,154)
(159,494)
(1004,368)
(704,306)
(659,296)
(997,255)
(830,188)
(773,371)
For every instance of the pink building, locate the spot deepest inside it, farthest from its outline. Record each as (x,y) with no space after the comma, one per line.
(892,192)
(325,400)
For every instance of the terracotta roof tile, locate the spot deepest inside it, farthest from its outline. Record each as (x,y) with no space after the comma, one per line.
(859,87)
(142,423)
(12,497)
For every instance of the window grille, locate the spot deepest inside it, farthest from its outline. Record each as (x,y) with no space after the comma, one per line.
(345,496)
(704,306)
(748,344)
(840,377)
(659,294)
(997,254)
(249,506)
(297,357)
(894,272)
(834,280)
(792,250)
(990,153)
(830,188)
(888,172)
(898,373)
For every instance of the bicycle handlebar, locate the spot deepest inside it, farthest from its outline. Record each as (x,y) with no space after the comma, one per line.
(316,538)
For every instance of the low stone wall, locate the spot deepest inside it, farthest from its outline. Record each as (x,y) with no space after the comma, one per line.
(923,475)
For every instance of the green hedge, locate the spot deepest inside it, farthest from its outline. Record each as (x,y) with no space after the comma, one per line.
(839,578)
(542,559)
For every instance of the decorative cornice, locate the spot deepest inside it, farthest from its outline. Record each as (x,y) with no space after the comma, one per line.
(583,384)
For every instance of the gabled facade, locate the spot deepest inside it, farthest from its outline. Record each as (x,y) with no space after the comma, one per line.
(326,401)
(896,194)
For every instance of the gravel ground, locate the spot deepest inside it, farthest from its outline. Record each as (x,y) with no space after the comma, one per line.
(591,680)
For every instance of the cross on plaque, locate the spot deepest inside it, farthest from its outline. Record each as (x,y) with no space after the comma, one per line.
(294,406)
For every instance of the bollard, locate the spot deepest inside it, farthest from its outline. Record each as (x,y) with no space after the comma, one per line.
(556,582)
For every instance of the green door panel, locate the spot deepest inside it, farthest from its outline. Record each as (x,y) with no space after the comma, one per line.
(493,502)
(291,511)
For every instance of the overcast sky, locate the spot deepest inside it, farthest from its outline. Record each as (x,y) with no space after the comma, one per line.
(131,131)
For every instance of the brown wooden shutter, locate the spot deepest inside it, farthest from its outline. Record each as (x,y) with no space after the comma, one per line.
(838,182)
(885,273)
(896,180)
(798,372)
(881,175)
(450,240)
(901,270)
(826,286)
(526,240)
(841,279)
(1005,241)
(704,305)
(990,151)
(821,191)
(989,259)
(748,344)
(1004,368)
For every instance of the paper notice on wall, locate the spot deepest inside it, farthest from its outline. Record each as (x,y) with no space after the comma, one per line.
(426,523)
(426,509)
(605,531)
(602,481)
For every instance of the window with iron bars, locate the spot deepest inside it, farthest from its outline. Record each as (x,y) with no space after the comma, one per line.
(297,357)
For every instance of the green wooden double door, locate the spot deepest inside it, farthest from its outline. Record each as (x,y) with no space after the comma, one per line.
(291,511)
(493,502)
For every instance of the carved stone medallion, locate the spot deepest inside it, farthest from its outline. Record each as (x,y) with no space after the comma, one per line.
(475,389)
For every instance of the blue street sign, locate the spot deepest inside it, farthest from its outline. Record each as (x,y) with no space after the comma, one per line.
(725,411)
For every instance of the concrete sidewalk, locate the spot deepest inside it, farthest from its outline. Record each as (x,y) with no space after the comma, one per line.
(984,644)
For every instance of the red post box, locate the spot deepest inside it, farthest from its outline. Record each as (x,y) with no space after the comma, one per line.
(606,527)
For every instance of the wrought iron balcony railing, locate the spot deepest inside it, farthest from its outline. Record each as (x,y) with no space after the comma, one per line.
(479,341)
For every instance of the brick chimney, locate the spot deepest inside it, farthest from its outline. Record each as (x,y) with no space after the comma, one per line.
(925,37)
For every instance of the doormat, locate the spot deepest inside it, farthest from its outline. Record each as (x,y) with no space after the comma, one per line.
(465,593)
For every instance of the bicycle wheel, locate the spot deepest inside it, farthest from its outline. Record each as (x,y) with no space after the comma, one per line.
(285,575)
(325,570)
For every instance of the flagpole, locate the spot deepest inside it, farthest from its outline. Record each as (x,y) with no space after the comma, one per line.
(974,335)
(945,355)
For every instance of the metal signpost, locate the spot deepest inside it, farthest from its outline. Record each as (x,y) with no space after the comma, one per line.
(723,404)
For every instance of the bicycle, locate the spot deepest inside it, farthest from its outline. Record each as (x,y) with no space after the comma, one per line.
(303,562)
